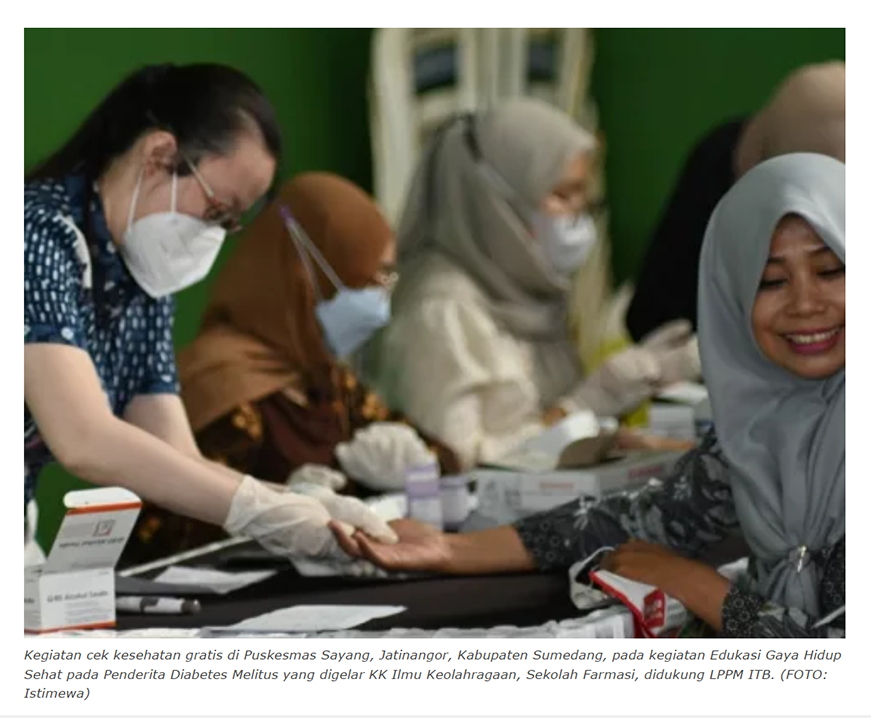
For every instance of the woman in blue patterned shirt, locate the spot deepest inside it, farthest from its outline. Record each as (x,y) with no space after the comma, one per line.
(133,208)
(772,333)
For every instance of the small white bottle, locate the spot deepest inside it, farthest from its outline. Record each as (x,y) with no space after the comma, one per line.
(455,501)
(423,493)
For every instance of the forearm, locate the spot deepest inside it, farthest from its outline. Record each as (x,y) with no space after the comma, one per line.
(498,550)
(118,454)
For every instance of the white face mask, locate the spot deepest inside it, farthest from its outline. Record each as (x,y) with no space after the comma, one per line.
(167,251)
(566,241)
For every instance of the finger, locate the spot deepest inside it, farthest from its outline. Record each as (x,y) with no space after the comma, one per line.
(335,481)
(349,544)
(362,517)
(377,553)
(668,334)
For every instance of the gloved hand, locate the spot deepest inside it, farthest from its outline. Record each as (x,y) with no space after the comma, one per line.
(379,455)
(668,336)
(667,355)
(622,383)
(676,349)
(348,511)
(319,475)
(294,525)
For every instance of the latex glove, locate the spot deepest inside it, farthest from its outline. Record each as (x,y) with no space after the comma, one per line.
(348,511)
(682,363)
(669,336)
(620,385)
(318,475)
(379,455)
(676,349)
(291,524)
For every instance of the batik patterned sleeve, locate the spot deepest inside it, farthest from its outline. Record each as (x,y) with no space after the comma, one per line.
(161,376)
(690,509)
(746,614)
(52,280)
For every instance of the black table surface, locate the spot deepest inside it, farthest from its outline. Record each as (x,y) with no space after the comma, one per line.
(466,602)
(432,602)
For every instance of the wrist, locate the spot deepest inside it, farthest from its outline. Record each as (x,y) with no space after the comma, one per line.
(498,550)
(456,558)
(699,588)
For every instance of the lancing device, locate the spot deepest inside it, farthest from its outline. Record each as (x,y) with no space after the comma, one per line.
(156,604)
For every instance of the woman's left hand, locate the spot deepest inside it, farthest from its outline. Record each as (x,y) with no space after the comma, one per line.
(696,585)
(648,563)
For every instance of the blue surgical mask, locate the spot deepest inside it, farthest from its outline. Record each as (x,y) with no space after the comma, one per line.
(565,240)
(352,316)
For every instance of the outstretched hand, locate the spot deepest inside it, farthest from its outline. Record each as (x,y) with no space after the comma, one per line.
(420,548)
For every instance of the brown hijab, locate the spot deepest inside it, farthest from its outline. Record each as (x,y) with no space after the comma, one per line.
(807,113)
(259,333)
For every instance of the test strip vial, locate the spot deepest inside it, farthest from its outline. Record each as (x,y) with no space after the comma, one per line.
(455,501)
(423,493)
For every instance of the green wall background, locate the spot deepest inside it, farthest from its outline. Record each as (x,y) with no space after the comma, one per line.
(658,91)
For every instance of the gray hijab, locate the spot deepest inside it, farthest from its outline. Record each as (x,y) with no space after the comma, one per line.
(461,210)
(783,435)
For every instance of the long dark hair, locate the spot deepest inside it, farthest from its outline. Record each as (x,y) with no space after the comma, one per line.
(205,107)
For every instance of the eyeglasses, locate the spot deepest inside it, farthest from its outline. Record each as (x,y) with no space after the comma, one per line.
(388,279)
(217,212)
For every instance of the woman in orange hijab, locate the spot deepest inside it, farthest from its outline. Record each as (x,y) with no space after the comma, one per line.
(263,383)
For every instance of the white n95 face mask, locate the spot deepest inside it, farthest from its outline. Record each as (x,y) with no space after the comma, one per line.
(168,251)
(565,240)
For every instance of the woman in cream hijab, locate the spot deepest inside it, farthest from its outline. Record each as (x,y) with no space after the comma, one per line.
(773,341)
(496,223)
(806,113)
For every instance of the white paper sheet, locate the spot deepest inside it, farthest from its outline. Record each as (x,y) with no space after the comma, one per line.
(684,392)
(300,619)
(219,581)
(553,440)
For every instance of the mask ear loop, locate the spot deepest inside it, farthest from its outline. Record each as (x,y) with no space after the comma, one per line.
(172,202)
(306,248)
(135,199)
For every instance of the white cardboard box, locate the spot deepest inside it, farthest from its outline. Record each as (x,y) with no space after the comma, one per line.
(75,587)
(510,495)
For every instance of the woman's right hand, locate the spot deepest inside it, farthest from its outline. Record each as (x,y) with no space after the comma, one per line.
(421,547)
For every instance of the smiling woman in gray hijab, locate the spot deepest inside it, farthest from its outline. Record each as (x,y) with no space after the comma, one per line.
(779,401)
(773,338)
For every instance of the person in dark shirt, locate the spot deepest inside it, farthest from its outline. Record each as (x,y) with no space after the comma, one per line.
(805,114)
